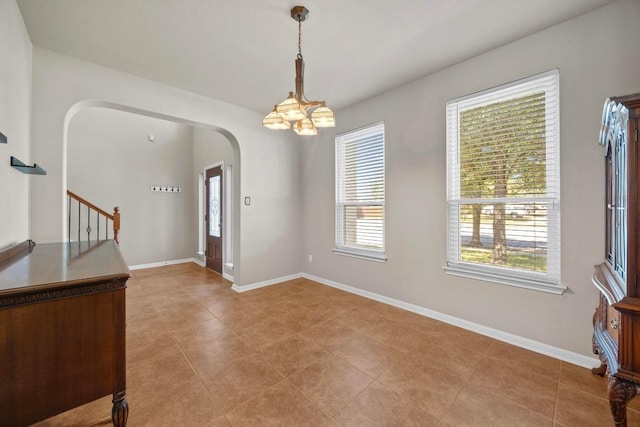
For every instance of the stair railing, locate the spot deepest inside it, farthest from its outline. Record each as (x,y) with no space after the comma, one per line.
(87,207)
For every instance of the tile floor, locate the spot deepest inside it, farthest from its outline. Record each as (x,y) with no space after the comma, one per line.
(304,354)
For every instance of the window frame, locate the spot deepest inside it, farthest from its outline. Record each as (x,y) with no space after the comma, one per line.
(341,248)
(548,281)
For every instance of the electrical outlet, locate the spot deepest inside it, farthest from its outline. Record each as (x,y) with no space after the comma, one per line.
(310,258)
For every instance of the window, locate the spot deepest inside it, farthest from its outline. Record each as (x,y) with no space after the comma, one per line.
(360,193)
(503,184)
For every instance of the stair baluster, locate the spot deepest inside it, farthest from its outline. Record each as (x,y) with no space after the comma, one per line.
(114,218)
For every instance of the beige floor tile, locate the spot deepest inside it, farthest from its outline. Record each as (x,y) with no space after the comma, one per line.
(208,357)
(368,355)
(177,319)
(193,334)
(516,357)
(278,307)
(431,389)
(147,341)
(412,320)
(446,355)
(265,332)
(293,354)
(330,383)
(583,409)
(395,335)
(476,343)
(582,379)
(160,372)
(378,406)
(240,320)
(280,406)
(362,320)
(176,403)
(475,407)
(301,353)
(93,414)
(302,318)
(240,381)
(330,334)
(527,389)
(227,304)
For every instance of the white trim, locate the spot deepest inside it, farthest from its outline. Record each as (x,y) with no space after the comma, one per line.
(518,341)
(177,261)
(374,132)
(549,280)
(366,255)
(492,275)
(270,282)
(163,263)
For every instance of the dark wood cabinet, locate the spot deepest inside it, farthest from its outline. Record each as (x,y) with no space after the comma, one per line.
(616,336)
(62,330)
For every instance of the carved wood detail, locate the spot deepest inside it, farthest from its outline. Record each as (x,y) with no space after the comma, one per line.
(54,294)
(620,393)
(120,410)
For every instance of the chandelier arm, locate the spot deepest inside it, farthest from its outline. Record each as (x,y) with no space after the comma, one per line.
(299,78)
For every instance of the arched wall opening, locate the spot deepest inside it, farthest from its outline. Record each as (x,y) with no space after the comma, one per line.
(140,176)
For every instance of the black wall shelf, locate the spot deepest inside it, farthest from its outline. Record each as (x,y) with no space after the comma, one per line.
(31,170)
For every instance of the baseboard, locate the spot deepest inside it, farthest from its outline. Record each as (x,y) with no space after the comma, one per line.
(257,285)
(228,277)
(163,263)
(518,341)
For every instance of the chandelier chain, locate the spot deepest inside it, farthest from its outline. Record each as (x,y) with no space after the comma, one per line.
(299,38)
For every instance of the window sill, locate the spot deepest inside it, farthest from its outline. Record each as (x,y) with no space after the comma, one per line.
(368,256)
(532,283)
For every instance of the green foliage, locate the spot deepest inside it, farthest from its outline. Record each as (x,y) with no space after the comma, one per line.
(504,142)
(517,259)
(502,155)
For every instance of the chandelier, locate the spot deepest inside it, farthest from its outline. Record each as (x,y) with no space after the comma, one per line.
(294,111)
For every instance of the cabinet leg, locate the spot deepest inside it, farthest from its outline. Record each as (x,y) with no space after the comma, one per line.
(600,370)
(620,393)
(120,410)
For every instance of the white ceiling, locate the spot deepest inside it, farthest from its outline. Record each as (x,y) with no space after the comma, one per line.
(243,51)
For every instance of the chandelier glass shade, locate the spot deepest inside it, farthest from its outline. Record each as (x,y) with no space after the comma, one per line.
(275,121)
(294,111)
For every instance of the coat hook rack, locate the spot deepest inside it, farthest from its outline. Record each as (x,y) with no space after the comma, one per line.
(31,170)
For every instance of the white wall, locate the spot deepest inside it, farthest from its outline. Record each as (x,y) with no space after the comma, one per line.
(598,56)
(111,162)
(267,170)
(15,110)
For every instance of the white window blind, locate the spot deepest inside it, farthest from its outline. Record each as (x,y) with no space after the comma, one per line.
(360,192)
(503,184)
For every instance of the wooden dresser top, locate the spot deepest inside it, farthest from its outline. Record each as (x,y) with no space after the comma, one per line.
(59,265)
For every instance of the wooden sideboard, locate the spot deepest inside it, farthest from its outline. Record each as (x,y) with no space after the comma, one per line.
(62,330)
